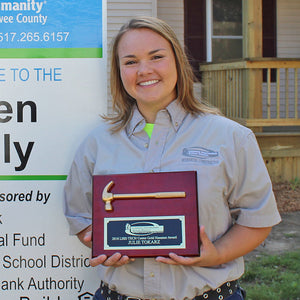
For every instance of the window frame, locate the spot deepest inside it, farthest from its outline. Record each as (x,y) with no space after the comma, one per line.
(209,31)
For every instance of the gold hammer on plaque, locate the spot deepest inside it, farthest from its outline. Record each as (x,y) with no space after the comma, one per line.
(108,197)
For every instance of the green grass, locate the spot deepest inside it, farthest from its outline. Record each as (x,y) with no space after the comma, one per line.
(275,277)
(295,183)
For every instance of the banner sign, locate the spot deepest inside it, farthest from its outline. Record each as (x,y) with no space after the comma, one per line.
(65,28)
(52,90)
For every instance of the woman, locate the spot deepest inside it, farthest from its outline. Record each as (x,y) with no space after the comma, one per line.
(156,118)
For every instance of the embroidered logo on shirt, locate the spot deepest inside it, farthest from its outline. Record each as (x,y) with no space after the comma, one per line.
(200,154)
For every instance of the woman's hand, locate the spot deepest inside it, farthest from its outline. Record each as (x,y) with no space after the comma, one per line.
(209,254)
(116,260)
(237,242)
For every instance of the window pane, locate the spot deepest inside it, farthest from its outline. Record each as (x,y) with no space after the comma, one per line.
(227,17)
(224,49)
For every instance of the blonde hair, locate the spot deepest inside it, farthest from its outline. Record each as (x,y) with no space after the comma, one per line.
(123,102)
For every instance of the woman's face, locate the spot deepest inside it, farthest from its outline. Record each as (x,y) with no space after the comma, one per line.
(148,69)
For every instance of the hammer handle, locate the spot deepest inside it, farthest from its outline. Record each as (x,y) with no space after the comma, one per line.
(151,195)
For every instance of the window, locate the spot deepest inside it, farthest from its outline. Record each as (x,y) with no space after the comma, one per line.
(224,30)
(213,30)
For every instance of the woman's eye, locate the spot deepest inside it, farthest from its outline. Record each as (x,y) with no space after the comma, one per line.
(130,62)
(157,56)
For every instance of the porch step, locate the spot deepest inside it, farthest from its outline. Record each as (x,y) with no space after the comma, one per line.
(281,153)
(279,144)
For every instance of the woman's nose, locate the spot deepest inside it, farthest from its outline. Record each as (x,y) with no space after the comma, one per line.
(144,68)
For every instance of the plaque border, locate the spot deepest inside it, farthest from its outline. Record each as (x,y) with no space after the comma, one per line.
(165,181)
(181,246)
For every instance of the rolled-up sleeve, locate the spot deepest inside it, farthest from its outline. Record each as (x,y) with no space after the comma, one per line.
(252,200)
(78,189)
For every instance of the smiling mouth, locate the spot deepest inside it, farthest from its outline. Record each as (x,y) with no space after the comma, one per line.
(145,83)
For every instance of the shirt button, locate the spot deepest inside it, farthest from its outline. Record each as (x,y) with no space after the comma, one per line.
(152,274)
(176,124)
(146,145)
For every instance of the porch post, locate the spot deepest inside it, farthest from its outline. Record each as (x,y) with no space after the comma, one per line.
(252,48)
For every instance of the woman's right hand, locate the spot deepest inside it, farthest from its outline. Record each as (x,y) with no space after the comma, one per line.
(115,260)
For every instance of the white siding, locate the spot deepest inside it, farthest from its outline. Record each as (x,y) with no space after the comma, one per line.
(120,11)
(288,28)
(288,46)
(173,13)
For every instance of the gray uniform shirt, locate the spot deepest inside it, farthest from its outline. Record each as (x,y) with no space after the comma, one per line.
(233,184)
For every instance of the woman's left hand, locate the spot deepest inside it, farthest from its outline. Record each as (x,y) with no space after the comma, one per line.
(208,254)
(236,242)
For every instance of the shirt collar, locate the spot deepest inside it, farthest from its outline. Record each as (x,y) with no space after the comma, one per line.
(177,113)
(136,123)
(174,109)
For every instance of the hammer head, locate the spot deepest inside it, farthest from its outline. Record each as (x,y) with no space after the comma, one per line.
(107,197)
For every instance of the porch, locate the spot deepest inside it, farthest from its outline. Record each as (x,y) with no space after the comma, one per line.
(262,94)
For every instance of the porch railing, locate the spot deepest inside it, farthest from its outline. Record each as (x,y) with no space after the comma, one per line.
(255,92)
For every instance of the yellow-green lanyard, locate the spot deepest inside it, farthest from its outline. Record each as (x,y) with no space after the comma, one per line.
(149,128)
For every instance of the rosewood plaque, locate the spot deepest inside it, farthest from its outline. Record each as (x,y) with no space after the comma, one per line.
(146,214)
